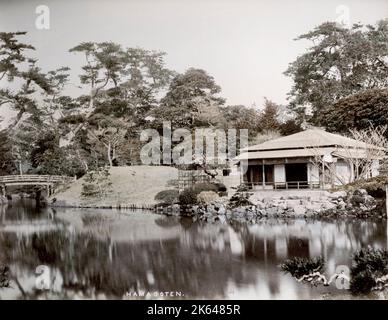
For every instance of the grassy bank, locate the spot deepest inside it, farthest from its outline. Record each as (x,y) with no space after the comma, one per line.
(131,186)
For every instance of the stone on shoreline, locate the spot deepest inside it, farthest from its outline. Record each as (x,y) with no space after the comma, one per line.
(322,204)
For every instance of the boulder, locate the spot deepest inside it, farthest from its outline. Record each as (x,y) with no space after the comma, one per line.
(356,200)
(341,205)
(337,194)
(360,192)
(260,205)
(222,210)
(271,211)
(329,206)
(293,203)
(207,197)
(314,206)
(299,210)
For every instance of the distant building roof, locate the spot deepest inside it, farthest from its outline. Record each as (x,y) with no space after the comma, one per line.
(286,153)
(308,152)
(310,143)
(311,138)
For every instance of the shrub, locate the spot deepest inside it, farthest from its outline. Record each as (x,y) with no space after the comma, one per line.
(207,196)
(368,264)
(96,183)
(374,260)
(167,196)
(240,199)
(4,276)
(207,186)
(242,188)
(188,196)
(299,267)
(369,270)
(374,186)
(221,187)
(362,283)
(89,190)
(203,186)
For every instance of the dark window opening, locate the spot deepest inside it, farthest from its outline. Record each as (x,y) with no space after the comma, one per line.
(225,172)
(296,175)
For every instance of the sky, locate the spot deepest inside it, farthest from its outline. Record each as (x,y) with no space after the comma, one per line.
(246,45)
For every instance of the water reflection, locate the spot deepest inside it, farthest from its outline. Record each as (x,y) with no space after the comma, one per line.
(136,252)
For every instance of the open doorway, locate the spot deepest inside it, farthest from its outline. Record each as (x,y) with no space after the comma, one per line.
(296,175)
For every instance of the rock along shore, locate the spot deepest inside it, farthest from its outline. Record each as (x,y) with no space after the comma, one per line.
(356,204)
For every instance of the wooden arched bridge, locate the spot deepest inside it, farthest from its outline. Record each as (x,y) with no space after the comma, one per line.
(33,180)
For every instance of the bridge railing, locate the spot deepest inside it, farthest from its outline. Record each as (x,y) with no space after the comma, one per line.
(34,178)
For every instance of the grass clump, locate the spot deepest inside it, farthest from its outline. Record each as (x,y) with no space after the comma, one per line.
(298,267)
(167,196)
(4,276)
(188,197)
(369,270)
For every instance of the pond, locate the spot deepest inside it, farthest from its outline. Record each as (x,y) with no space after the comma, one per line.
(107,254)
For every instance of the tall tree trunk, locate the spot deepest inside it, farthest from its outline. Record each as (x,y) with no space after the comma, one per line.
(110,155)
(20,168)
(17,120)
(82,160)
(71,135)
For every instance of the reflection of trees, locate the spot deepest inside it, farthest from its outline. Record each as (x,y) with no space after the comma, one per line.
(298,247)
(114,269)
(206,236)
(365,231)
(198,261)
(167,222)
(3,210)
(20,210)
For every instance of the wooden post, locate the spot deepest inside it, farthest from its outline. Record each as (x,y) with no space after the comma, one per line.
(263,175)
(332,174)
(386,211)
(386,200)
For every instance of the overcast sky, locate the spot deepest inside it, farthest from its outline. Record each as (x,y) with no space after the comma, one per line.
(245,44)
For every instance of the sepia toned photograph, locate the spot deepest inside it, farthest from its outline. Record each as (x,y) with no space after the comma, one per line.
(215,151)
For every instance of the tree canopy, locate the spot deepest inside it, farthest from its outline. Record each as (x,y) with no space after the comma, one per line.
(358,111)
(340,82)
(341,62)
(191,100)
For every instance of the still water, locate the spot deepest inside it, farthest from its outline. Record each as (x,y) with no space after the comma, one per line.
(107,254)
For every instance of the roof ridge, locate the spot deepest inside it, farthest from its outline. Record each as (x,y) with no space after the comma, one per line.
(312,137)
